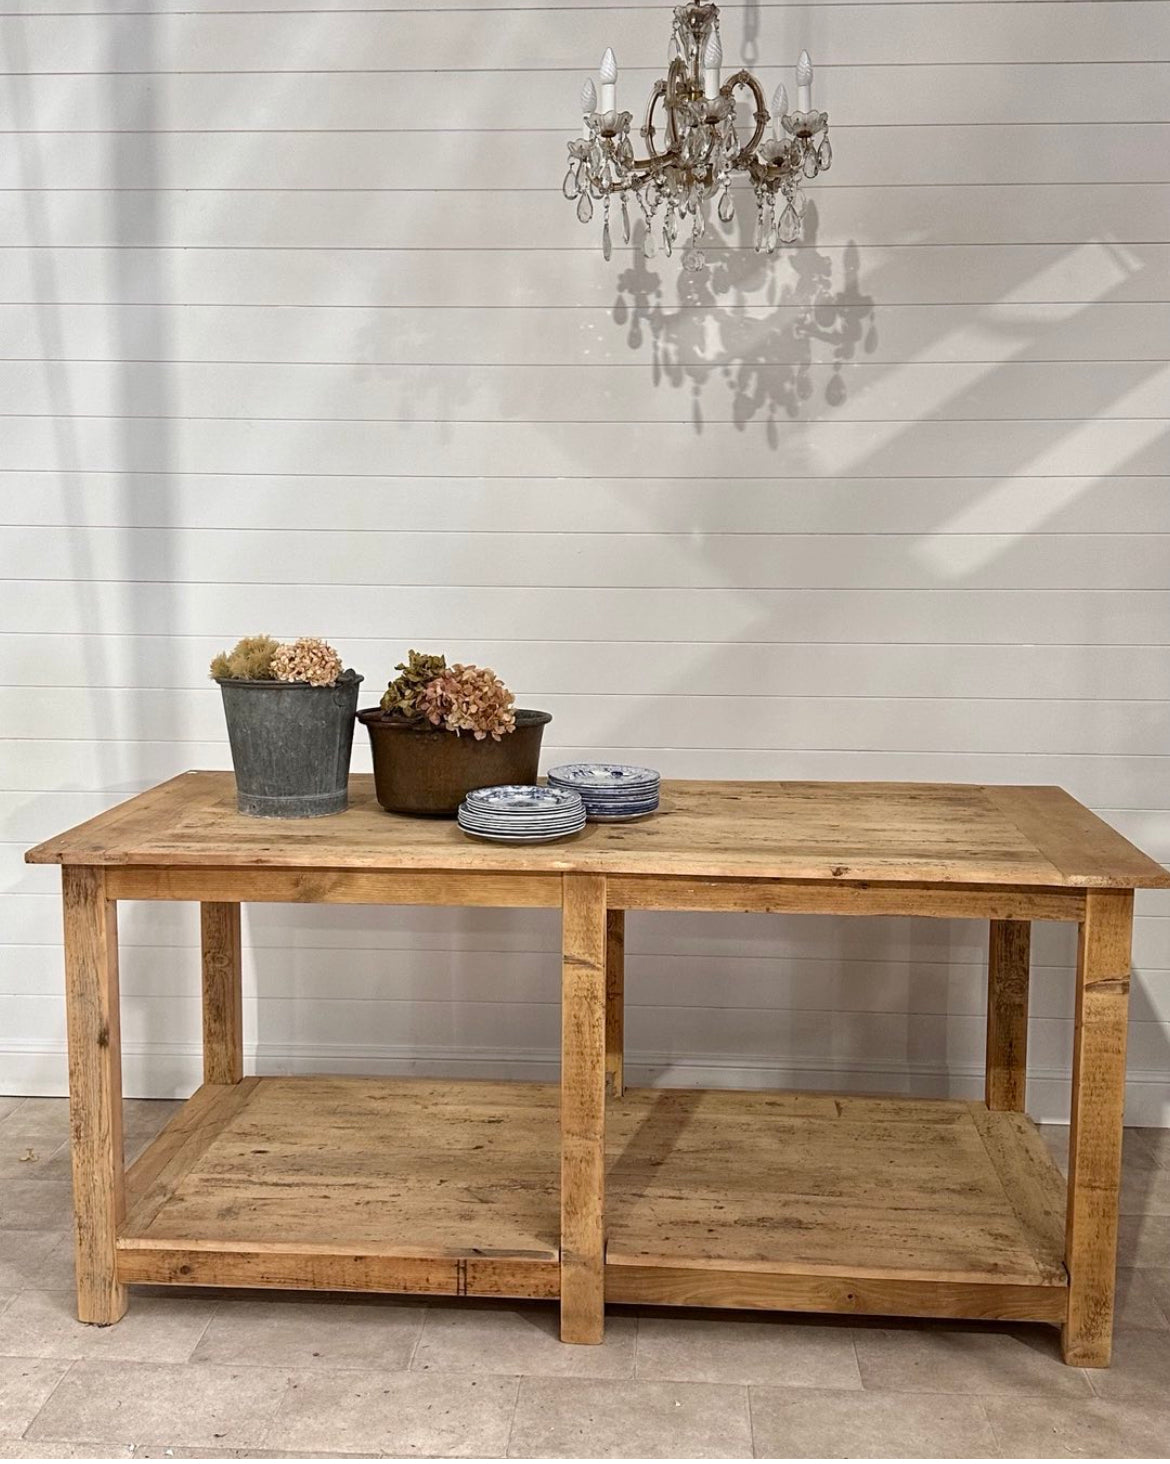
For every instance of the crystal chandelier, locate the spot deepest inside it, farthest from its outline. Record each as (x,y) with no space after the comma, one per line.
(701,151)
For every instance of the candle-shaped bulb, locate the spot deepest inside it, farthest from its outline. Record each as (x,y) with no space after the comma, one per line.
(712,61)
(588,104)
(804,77)
(609,75)
(779,107)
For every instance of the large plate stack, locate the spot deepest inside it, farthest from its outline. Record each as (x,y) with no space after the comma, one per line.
(611,792)
(521,813)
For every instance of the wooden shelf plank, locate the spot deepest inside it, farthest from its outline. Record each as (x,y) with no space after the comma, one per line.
(792,1200)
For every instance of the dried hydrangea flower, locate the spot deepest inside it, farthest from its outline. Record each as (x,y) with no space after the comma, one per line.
(401,696)
(307,659)
(469,699)
(249,660)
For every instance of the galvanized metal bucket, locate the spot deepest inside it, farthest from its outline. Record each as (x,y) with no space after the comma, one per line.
(291,745)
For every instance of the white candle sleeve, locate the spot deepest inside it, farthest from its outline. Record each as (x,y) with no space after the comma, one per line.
(712,61)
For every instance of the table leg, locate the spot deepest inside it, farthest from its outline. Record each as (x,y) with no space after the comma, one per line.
(1098,1101)
(1008,961)
(615,1003)
(223,997)
(583,1109)
(95,1089)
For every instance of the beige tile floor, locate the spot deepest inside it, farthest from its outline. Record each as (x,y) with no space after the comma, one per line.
(214,1374)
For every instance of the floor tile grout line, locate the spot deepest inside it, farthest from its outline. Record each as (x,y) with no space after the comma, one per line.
(50,1396)
(213,1311)
(507,1454)
(981,1400)
(751,1412)
(417,1343)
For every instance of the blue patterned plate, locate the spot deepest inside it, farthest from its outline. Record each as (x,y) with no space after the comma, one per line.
(523,798)
(605,780)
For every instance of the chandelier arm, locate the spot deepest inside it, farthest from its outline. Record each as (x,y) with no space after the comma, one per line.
(648,128)
(745,78)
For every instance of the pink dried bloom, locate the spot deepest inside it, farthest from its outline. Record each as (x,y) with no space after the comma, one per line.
(307,659)
(469,699)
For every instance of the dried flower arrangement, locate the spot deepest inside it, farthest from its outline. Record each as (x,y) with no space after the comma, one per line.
(457,698)
(260,658)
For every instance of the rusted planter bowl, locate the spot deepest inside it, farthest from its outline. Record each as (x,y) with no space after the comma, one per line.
(427,771)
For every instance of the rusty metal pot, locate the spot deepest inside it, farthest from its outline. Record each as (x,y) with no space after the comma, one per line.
(426,770)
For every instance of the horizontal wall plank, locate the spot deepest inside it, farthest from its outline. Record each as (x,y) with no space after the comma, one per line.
(1016,504)
(373,278)
(828,448)
(437,40)
(1061,213)
(928,1039)
(1045,91)
(648,560)
(445,615)
(674,347)
(649,668)
(815,981)
(858,391)
(771,724)
(987,153)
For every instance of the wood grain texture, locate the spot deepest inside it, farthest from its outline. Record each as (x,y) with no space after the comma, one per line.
(790,1200)
(583,1085)
(615,1003)
(1095,1136)
(913,833)
(1009,955)
(761,896)
(860,1295)
(95,1090)
(223,993)
(336,886)
(307,1269)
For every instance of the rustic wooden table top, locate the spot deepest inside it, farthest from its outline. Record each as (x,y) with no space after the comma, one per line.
(913,833)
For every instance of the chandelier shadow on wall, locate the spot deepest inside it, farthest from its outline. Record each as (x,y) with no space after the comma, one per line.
(693,150)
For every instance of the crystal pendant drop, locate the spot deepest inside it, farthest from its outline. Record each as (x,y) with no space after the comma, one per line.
(625,220)
(761,231)
(726,207)
(585,208)
(649,248)
(789,225)
(825,155)
(810,166)
(571,187)
(606,242)
(799,201)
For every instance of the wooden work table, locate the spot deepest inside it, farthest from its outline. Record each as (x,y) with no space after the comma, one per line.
(586,1191)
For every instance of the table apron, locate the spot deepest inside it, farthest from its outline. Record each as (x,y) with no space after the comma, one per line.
(334,886)
(813,897)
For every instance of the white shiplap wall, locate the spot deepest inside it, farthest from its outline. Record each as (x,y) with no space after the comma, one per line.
(297,334)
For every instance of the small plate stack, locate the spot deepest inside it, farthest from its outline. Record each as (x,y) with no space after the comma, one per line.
(521,813)
(611,792)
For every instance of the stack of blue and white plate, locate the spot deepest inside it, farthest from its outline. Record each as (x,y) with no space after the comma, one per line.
(521,813)
(611,792)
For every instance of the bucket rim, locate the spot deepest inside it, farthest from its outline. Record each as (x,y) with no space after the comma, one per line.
(347,678)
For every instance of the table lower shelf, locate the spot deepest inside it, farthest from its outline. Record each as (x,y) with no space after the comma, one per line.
(807,1202)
